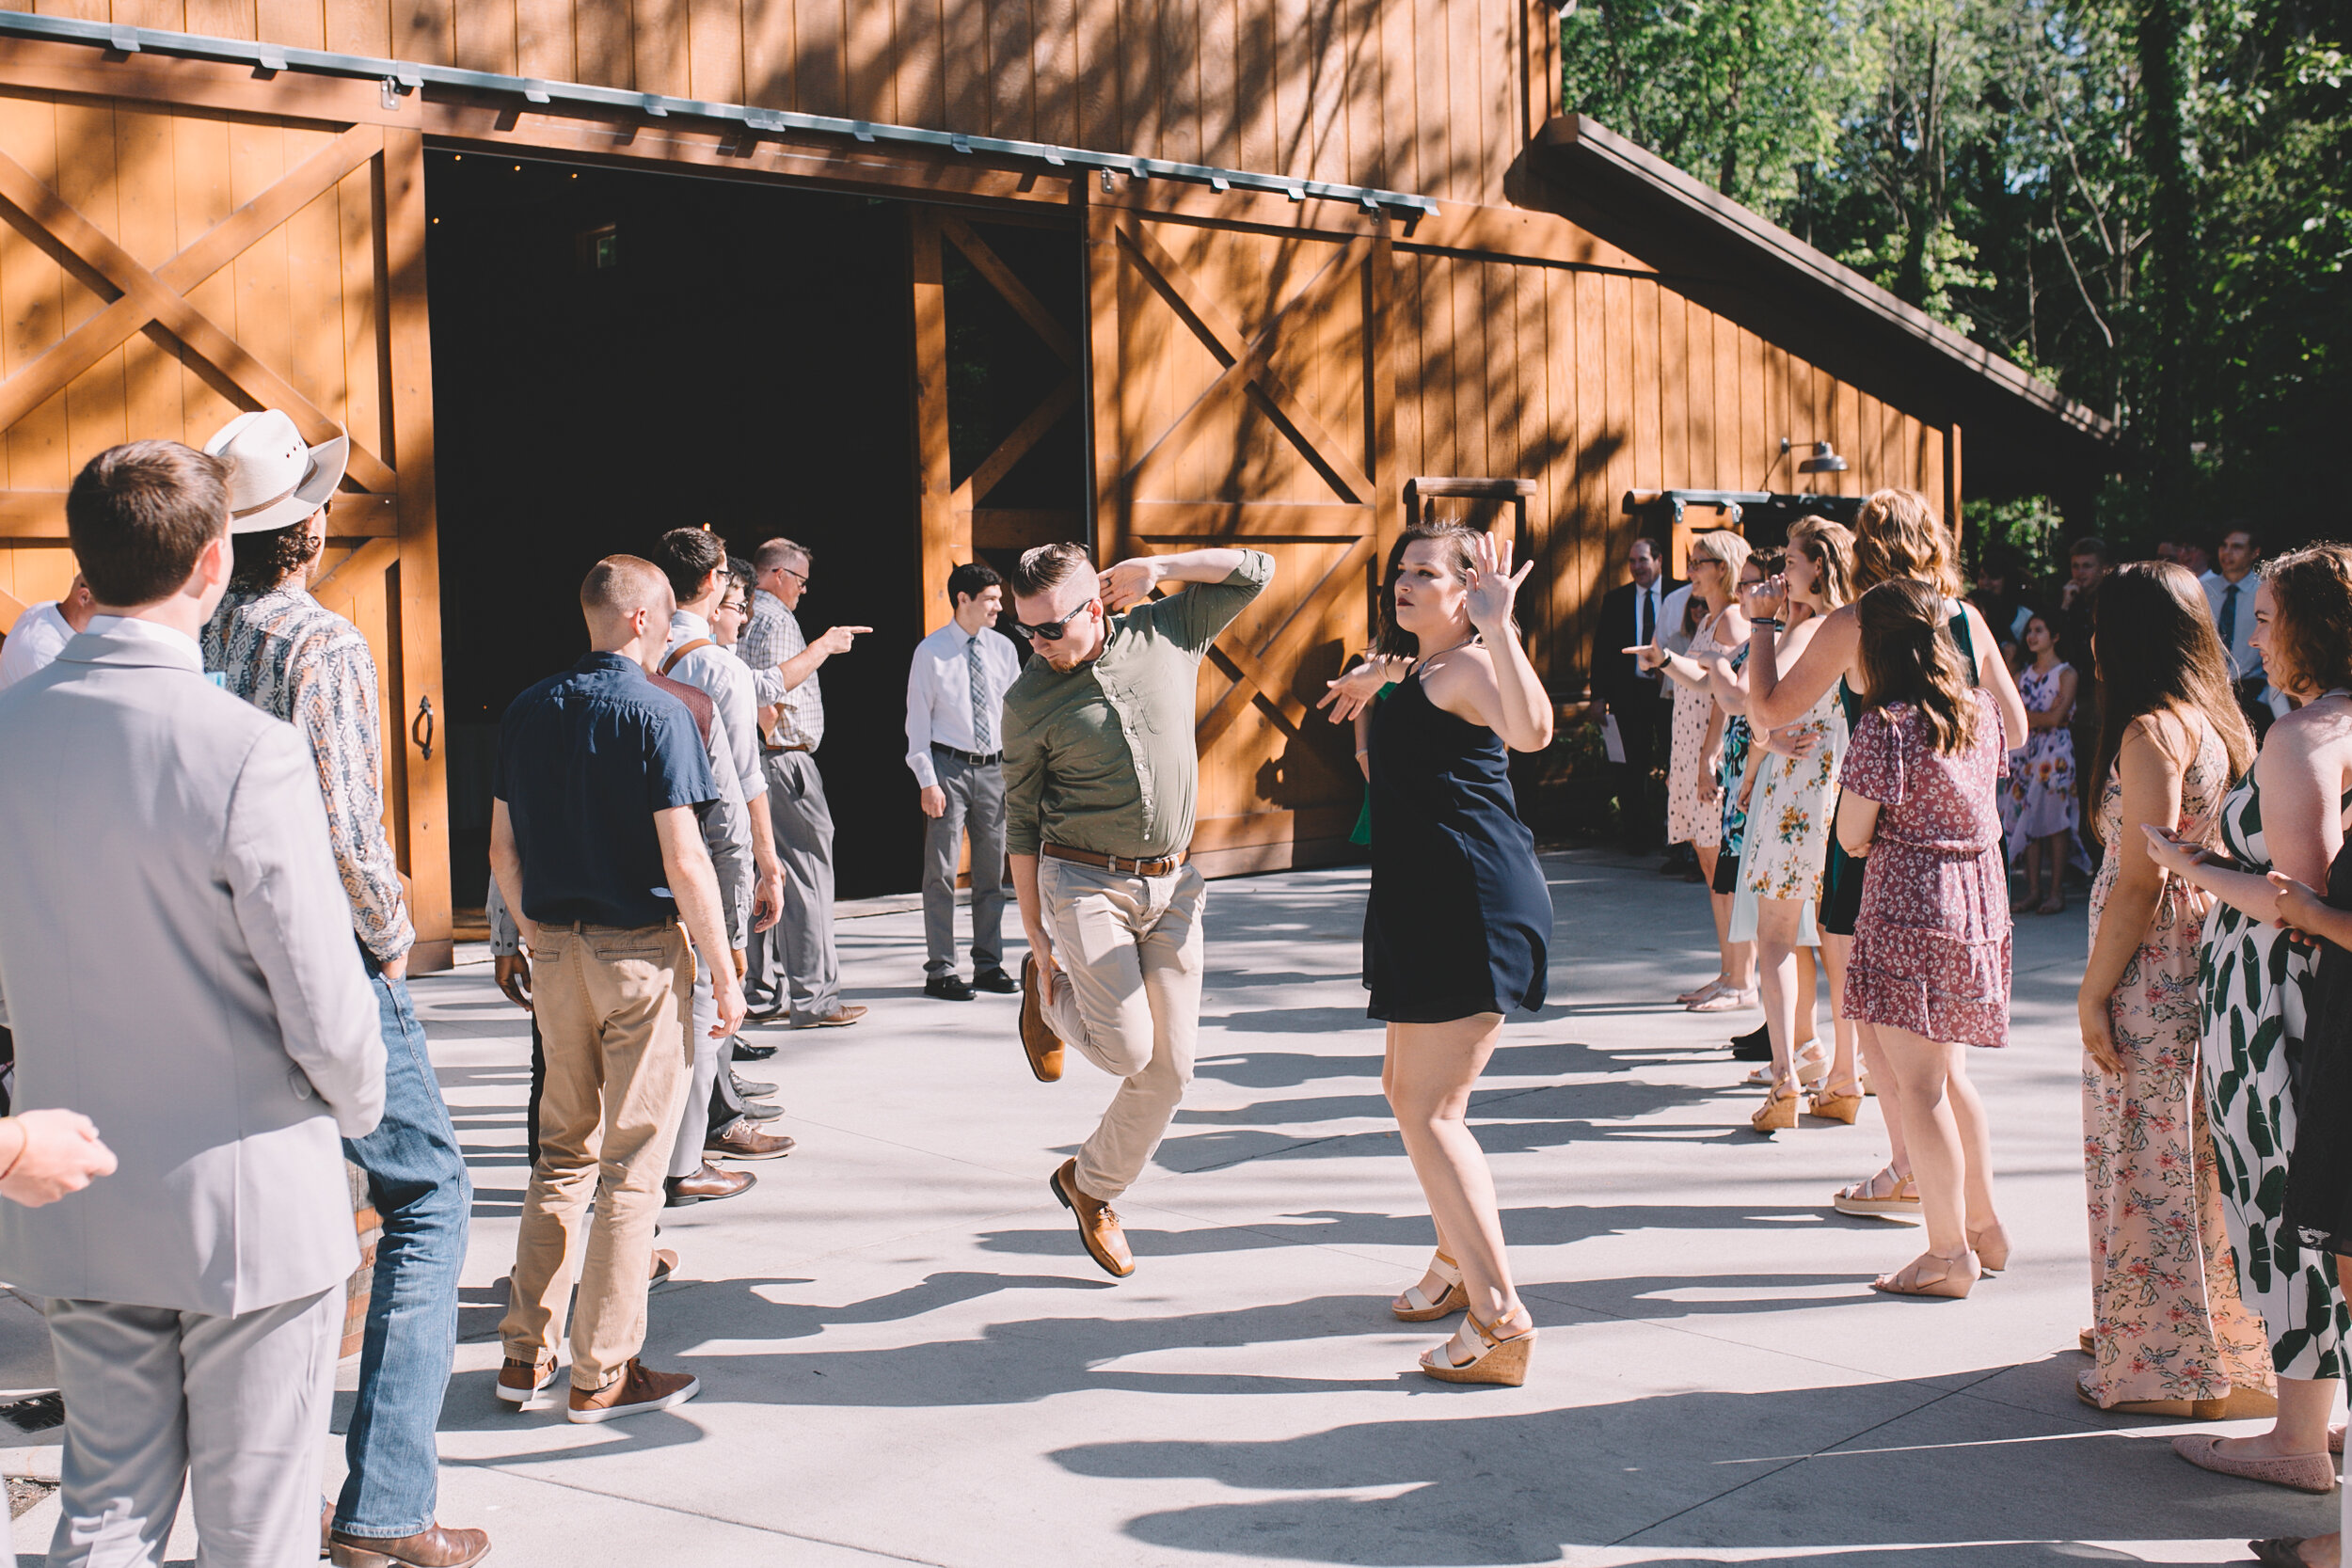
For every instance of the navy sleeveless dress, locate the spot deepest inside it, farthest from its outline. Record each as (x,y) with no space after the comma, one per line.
(1459,922)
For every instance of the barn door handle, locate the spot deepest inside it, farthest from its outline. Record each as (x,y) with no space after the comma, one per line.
(420,728)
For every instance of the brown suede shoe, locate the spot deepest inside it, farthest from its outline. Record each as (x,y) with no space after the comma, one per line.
(846,1013)
(519,1380)
(637,1391)
(1045,1049)
(1098,1228)
(707,1184)
(432,1547)
(743,1141)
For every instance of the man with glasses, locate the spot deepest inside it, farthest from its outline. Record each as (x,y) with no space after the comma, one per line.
(1100,769)
(794,967)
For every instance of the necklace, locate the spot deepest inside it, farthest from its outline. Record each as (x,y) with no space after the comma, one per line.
(1426,660)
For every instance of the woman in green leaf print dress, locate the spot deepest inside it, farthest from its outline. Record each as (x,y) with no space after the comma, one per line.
(2288,814)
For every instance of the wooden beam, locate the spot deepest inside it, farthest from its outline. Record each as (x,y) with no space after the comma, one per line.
(1110,433)
(1013,527)
(1016,293)
(1285,650)
(1165,522)
(376,555)
(26,516)
(942,540)
(1014,447)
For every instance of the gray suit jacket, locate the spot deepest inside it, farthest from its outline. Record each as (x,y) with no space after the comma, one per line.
(176,960)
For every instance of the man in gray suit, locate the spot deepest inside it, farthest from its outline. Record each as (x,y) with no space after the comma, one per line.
(153,826)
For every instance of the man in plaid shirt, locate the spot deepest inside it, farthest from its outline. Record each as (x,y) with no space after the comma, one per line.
(793,965)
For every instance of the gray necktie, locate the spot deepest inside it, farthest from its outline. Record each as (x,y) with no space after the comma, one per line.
(976,677)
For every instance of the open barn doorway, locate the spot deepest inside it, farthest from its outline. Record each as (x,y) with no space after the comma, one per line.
(619,352)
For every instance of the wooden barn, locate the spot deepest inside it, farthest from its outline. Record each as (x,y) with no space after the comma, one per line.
(913,280)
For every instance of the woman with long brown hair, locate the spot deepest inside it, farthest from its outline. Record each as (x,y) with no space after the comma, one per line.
(1896,535)
(2169,1335)
(2288,815)
(1930,968)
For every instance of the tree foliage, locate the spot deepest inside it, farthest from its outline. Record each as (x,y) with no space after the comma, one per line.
(2143,201)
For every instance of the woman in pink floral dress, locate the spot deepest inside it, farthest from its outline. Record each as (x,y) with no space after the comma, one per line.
(1930,970)
(2168,1333)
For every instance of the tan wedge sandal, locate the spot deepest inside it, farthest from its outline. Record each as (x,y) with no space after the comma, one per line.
(1420,1308)
(1500,1361)
(1835,1104)
(1778,1114)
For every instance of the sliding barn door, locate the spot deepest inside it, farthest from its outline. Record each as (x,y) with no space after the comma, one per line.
(1241,396)
(162,270)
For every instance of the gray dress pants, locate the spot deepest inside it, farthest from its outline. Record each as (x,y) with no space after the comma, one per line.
(976,800)
(158,1402)
(796,961)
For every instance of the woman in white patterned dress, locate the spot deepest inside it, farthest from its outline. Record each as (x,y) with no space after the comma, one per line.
(2287,817)
(1716,557)
(1792,813)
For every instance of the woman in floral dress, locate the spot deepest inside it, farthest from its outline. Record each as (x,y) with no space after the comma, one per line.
(2288,814)
(1692,818)
(1788,816)
(2039,816)
(2169,1335)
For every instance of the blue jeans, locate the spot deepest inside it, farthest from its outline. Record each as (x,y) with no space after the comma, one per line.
(417,1180)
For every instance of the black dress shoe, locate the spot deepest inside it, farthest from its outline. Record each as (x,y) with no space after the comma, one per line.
(947,987)
(751,1089)
(1754,1046)
(995,979)
(748,1053)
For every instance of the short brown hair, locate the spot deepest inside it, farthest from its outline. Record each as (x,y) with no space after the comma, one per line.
(1898,535)
(1046,567)
(619,584)
(775,552)
(140,514)
(686,556)
(2311,626)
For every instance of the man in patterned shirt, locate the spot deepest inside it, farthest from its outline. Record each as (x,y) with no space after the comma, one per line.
(794,965)
(275,645)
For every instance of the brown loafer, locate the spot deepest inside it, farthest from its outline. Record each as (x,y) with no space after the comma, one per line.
(707,1184)
(2303,1472)
(519,1380)
(743,1141)
(847,1013)
(1098,1226)
(1043,1048)
(638,1391)
(430,1548)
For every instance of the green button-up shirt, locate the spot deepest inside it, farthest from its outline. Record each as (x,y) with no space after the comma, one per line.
(1102,758)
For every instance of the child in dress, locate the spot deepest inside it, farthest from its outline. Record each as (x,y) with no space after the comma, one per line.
(2039,814)
(1931,965)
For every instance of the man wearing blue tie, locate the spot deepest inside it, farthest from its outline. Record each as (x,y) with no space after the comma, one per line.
(955,747)
(2230,590)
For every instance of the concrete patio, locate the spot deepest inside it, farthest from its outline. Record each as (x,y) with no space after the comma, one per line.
(907,1358)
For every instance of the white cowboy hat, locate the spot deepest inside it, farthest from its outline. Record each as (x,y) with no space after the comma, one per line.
(276,478)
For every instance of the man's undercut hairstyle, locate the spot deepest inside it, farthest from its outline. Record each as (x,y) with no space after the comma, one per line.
(266,559)
(620,585)
(971,579)
(781,553)
(1047,568)
(139,516)
(2090,544)
(687,557)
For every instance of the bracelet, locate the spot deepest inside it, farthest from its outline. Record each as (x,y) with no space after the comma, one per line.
(1770,621)
(1364,751)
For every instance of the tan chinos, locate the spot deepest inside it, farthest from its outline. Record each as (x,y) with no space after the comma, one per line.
(1128,999)
(613,1008)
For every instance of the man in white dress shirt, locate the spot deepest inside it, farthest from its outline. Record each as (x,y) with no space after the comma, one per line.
(44,630)
(2229,591)
(956,750)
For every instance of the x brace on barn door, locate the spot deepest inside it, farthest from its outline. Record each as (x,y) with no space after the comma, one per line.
(160,296)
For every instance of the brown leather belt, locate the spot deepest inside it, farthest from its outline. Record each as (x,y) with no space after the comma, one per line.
(1160,867)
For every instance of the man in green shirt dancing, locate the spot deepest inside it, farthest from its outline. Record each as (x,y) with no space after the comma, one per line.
(1100,774)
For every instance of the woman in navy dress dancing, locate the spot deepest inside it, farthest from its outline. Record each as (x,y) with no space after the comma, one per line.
(1459,920)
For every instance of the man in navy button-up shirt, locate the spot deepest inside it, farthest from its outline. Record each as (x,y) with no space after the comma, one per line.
(596,849)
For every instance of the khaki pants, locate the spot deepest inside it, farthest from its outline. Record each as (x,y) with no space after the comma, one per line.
(1128,1000)
(612,1008)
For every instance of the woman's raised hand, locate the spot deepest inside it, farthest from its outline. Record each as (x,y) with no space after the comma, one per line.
(1764,600)
(1493,586)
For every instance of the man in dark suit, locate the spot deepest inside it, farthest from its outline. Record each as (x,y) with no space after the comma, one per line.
(1645,708)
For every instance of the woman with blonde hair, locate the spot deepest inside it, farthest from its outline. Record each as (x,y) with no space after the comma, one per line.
(2289,816)
(1789,815)
(1692,816)
(1896,535)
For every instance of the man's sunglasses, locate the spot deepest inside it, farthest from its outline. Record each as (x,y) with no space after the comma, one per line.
(1051,631)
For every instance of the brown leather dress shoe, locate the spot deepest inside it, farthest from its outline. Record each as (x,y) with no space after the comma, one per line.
(742,1141)
(638,1391)
(707,1184)
(847,1013)
(430,1548)
(1098,1228)
(519,1380)
(1038,1041)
